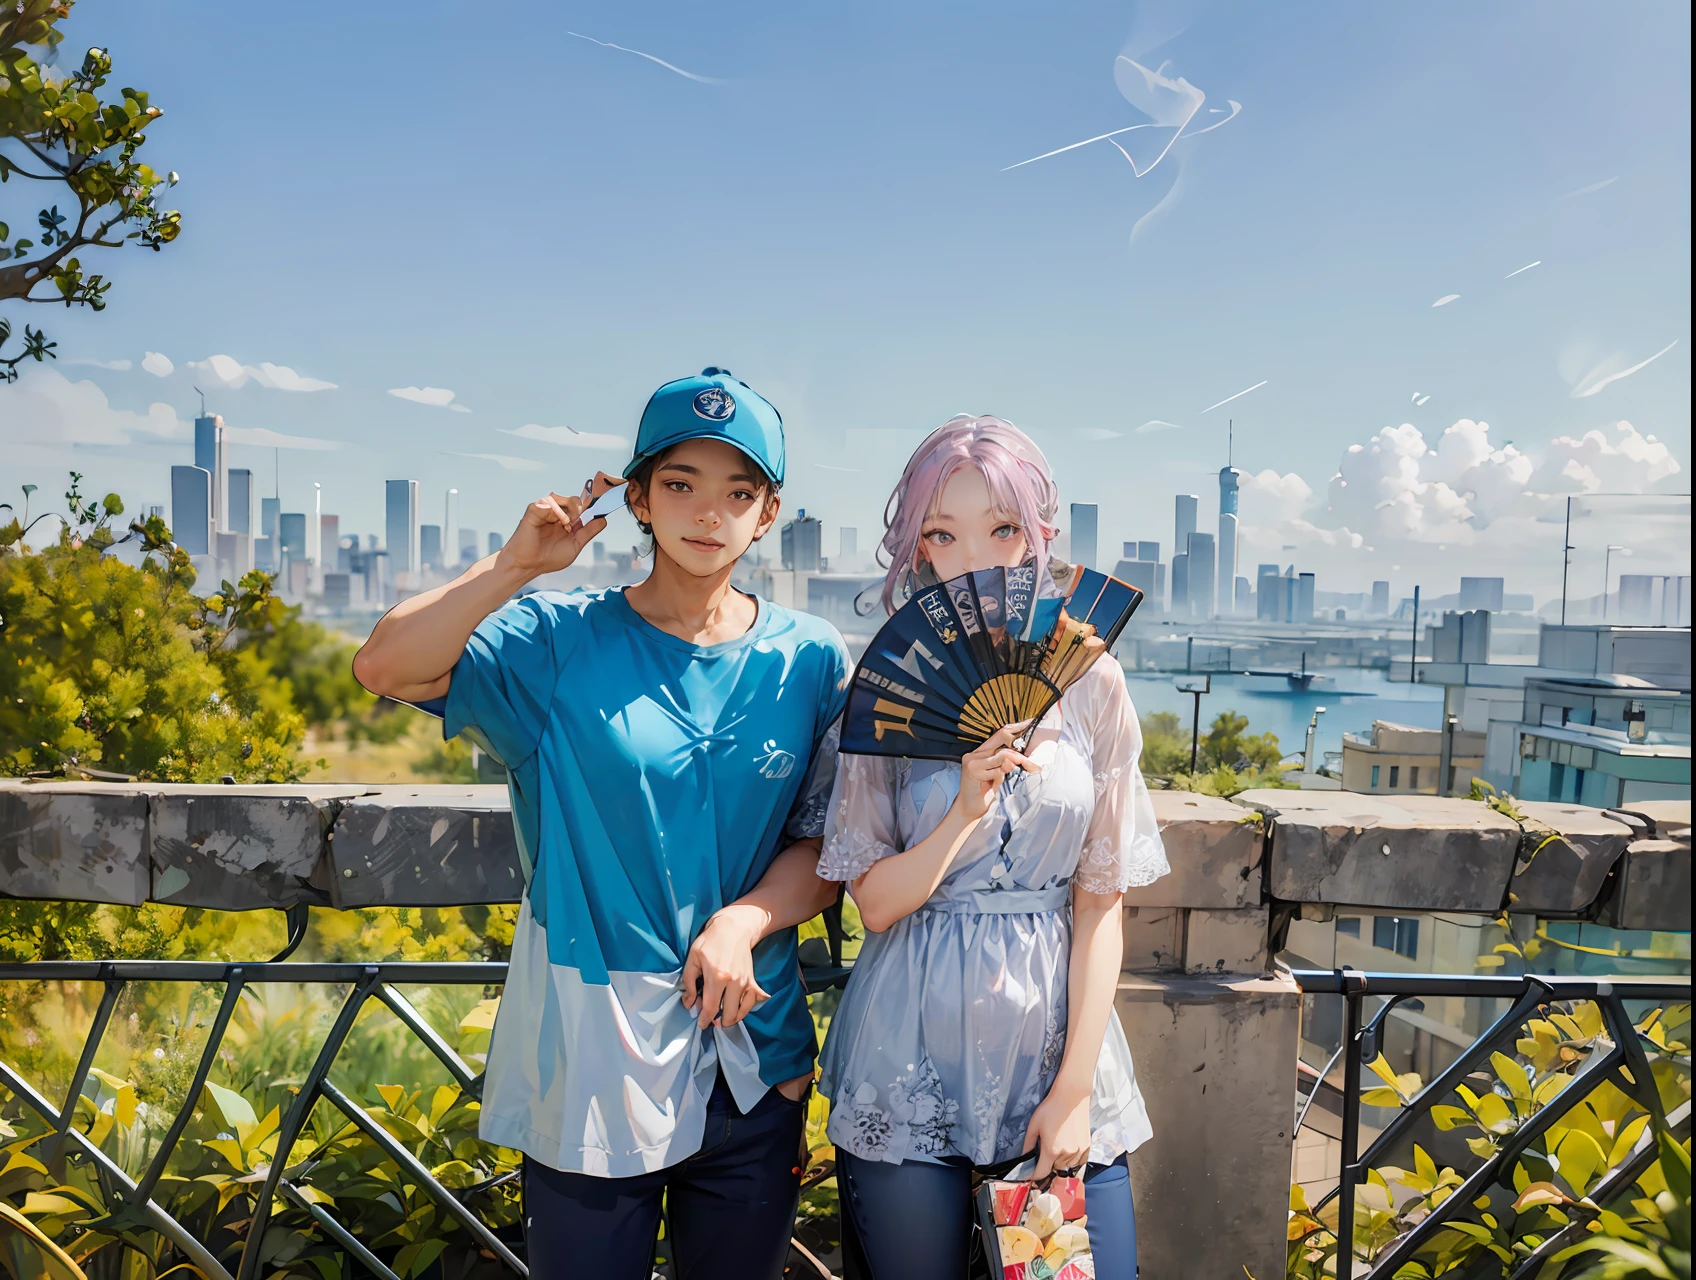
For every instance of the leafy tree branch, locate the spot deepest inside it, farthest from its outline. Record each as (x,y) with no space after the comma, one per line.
(74,135)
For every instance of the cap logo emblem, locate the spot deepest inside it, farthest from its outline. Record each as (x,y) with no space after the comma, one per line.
(714,404)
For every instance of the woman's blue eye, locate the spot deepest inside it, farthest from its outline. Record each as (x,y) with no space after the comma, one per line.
(1007,531)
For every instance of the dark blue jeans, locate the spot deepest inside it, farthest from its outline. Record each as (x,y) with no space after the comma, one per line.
(730,1208)
(914,1220)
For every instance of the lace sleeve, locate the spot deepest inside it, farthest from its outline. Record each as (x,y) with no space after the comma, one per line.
(1122,849)
(861,826)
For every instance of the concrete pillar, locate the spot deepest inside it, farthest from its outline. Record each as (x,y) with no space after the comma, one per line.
(1216,1061)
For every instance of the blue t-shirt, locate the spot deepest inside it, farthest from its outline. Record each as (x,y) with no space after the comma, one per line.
(653,782)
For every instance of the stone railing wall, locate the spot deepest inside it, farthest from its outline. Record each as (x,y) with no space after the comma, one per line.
(1212,1023)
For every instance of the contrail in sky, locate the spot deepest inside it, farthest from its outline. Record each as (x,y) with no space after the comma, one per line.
(1510,275)
(1594,186)
(1589,388)
(687,75)
(1227,400)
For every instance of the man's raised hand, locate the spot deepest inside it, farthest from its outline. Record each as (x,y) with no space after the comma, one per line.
(549,537)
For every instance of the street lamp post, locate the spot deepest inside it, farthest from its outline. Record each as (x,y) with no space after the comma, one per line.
(1195,686)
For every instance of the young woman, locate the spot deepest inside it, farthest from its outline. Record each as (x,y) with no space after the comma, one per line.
(669,758)
(979,1023)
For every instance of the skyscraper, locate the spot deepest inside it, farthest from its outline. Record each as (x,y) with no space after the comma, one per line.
(800,542)
(209,457)
(1227,540)
(1084,521)
(400,525)
(1380,599)
(238,518)
(191,509)
(267,555)
(315,530)
(450,528)
(1181,585)
(1269,594)
(1146,550)
(291,529)
(1183,526)
(430,545)
(1202,564)
(330,544)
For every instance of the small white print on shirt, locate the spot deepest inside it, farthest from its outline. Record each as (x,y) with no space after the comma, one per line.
(773,761)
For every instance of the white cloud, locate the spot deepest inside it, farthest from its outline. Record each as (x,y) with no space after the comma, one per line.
(567,436)
(117,366)
(507,462)
(226,372)
(1592,464)
(1098,434)
(1157,424)
(158,365)
(1403,497)
(45,409)
(436,397)
(1445,299)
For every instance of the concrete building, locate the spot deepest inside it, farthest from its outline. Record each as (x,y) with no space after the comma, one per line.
(430,546)
(191,509)
(1244,598)
(209,456)
(1202,555)
(1085,521)
(1490,697)
(1227,568)
(1400,759)
(1380,599)
(1654,600)
(801,541)
(1183,523)
(315,537)
(496,542)
(291,536)
(330,545)
(1148,576)
(468,546)
(1462,637)
(1269,594)
(238,517)
(1302,609)
(1181,585)
(400,526)
(1481,593)
(1604,741)
(1144,551)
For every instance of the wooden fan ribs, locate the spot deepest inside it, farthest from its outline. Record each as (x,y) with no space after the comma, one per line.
(964,658)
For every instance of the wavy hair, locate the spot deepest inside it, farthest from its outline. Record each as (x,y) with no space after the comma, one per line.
(1017,474)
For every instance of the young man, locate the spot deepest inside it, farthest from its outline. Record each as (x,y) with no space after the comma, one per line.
(670,747)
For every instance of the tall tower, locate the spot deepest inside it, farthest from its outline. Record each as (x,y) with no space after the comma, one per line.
(315,530)
(1184,523)
(400,525)
(450,529)
(1085,523)
(209,457)
(1227,581)
(191,509)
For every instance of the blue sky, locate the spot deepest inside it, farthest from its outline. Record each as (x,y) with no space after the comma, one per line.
(387,196)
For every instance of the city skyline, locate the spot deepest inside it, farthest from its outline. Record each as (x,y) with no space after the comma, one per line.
(1349,265)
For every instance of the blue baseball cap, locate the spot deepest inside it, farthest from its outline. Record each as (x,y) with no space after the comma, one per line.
(716,405)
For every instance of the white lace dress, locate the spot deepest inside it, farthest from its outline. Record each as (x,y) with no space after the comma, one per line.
(953,1026)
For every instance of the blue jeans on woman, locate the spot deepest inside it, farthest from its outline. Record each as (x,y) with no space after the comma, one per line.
(729,1208)
(914,1220)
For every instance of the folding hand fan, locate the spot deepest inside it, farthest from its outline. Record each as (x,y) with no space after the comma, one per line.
(967,656)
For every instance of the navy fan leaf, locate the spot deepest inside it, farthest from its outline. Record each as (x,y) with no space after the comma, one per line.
(967,656)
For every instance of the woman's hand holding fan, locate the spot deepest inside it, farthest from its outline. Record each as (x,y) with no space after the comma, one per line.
(984,770)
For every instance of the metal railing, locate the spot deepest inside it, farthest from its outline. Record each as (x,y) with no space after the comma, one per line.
(380,981)
(1623,1062)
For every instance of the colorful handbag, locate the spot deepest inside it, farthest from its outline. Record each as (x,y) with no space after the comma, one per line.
(1032,1230)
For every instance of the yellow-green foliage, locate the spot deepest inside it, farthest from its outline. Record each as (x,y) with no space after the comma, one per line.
(1553,1180)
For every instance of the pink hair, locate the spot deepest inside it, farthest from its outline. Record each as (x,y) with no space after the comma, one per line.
(1018,477)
